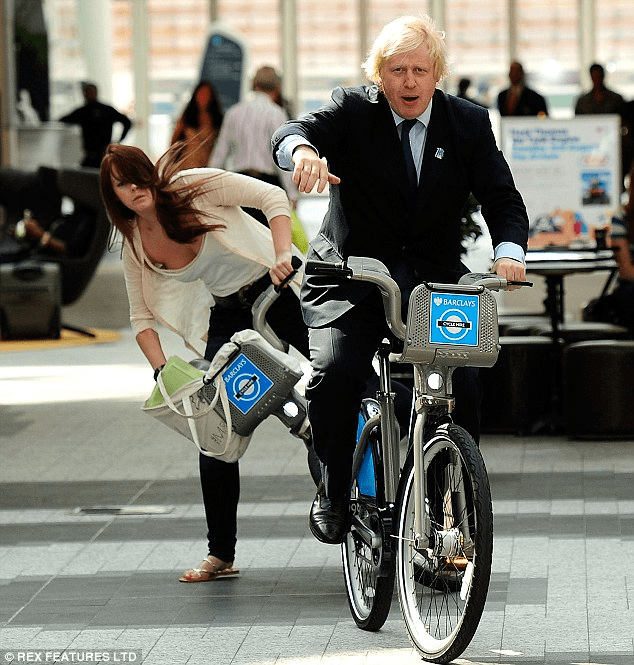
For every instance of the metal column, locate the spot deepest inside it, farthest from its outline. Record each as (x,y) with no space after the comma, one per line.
(141,68)
(288,30)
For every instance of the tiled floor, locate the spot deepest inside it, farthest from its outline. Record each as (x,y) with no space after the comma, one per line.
(72,438)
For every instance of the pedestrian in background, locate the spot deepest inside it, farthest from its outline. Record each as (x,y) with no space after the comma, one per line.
(198,126)
(96,121)
(463,87)
(519,99)
(244,144)
(600,99)
(622,242)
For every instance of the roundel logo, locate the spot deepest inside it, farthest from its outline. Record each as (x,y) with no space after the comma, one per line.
(246,387)
(453,324)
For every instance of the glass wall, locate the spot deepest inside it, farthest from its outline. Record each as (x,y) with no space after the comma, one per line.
(615,43)
(478,46)
(482,38)
(328,50)
(548,48)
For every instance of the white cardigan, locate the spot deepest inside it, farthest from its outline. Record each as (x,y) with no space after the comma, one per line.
(183,307)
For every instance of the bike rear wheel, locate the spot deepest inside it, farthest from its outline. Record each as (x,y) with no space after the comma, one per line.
(368,576)
(368,562)
(442,588)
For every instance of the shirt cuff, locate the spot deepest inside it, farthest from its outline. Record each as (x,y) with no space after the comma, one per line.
(285,150)
(509,250)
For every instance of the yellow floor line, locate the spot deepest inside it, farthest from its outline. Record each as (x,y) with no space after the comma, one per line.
(68,338)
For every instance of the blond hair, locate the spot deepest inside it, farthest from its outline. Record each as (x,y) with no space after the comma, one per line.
(403,35)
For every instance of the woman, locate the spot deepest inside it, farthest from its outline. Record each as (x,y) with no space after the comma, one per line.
(199,126)
(187,246)
(622,242)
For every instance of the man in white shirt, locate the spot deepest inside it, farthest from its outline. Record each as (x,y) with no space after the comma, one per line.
(244,143)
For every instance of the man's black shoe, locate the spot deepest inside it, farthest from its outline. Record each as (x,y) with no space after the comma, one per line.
(329,520)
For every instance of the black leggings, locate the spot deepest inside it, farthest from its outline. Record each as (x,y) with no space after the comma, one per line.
(220,481)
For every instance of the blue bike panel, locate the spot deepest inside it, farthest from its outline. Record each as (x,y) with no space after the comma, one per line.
(246,383)
(365,477)
(454,318)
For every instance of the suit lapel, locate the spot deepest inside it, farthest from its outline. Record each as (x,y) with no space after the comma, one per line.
(438,147)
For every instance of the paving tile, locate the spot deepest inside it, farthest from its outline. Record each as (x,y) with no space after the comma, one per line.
(561,586)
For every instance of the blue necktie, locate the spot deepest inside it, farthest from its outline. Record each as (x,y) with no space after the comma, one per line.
(412,176)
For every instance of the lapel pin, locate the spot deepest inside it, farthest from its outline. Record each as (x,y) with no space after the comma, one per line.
(440,153)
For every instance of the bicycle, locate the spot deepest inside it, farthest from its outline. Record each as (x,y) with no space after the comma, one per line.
(429,525)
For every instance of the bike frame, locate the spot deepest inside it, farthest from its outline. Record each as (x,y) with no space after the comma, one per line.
(390,448)
(432,382)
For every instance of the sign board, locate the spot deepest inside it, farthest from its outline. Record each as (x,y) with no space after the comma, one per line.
(246,384)
(224,65)
(569,174)
(454,319)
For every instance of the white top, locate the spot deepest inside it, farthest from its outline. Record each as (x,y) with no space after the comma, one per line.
(219,267)
(228,259)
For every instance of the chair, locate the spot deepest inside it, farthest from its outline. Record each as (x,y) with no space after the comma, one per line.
(41,192)
(82,186)
(516,388)
(598,389)
(520,325)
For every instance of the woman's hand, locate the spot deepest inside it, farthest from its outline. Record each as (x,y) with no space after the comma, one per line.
(282,267)
(310,170)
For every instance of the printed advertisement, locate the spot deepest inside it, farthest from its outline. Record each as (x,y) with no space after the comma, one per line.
(569,174)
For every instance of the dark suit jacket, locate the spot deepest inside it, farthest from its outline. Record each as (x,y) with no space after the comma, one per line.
(369,212)
(530,103)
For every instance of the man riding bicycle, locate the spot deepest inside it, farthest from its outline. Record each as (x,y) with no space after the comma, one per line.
(414,229)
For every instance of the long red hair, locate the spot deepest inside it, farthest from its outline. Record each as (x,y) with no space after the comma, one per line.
(175,202)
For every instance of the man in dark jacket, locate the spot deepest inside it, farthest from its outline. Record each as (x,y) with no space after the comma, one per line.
(600,99)
(354,143)
(519,99)
(96,121)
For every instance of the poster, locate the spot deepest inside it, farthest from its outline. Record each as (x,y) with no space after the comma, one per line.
(569,174)
(224,65)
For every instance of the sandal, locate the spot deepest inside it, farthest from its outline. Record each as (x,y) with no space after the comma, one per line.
(210,568)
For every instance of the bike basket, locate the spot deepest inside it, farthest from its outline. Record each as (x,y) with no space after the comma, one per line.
(451,325)
(258,380)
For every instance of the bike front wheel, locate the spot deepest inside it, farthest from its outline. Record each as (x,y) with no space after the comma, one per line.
(443,575)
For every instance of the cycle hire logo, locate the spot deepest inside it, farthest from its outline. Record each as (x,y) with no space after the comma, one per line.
(246,383)
(454,319)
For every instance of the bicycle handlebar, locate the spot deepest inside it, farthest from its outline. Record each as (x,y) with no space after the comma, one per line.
(296,264)
(372,270)
(264,301)
(490,281)
(343,270)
